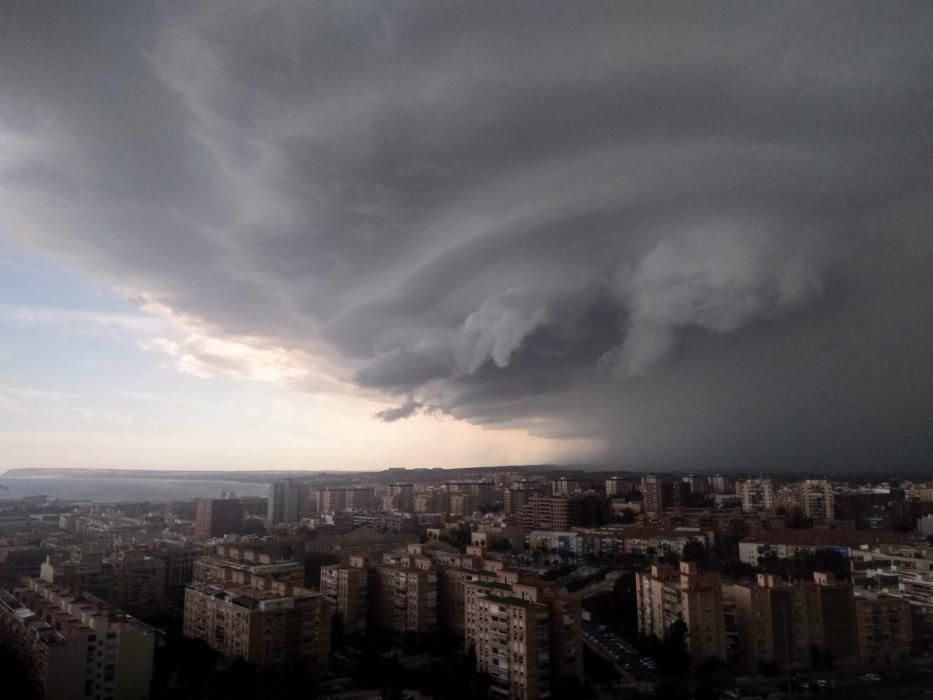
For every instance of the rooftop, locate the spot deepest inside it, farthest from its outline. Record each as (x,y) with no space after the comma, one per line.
(830,538)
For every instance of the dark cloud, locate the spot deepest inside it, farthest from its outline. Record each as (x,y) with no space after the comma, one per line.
(700,233)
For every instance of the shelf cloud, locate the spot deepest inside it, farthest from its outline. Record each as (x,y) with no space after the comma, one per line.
(701,234)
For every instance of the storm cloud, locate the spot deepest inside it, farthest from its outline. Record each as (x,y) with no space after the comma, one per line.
(701,233)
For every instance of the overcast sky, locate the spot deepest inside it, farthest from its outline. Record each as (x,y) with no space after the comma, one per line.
(352,234)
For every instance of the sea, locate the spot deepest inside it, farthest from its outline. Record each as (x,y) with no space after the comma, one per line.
(115,490)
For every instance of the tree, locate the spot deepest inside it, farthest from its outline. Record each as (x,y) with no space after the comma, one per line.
(313,562)
(460,536)
(673,658)
(669,689)
(712,676)
(336,631)
(695,551)
(499,545)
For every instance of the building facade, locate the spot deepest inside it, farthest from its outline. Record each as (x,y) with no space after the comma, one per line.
(665,595)
(74,647)
(347,586)
(756,494)
(215,517)
(266,623)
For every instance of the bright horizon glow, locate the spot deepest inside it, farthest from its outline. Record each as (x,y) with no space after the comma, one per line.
(120,387)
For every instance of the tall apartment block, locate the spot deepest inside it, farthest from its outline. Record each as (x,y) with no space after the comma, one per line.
(75,647)
(357,498)
(665,595)
(566,636)
(483,491)
(515,499)
(756,494)
(361,498)
(347,586)
(885,631)
(405,600)
(657,494)
(546,513)
(525,636)
(430,502)
(698,484)
(215,517)
(513,646)
(617,486)
(461,503)
(783,623)
(178,559)
(721,484)
(816,500)
(286,503)
(403,497)
(564,486)
(265,622)
(451,596)
(561,512)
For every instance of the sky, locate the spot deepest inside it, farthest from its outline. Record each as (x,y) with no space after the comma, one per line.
(359,235)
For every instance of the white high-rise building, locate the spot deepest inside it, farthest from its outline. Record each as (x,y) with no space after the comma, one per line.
(816,500)
(757,494)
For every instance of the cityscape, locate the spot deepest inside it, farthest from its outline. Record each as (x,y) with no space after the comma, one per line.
(466,350)
(523,583)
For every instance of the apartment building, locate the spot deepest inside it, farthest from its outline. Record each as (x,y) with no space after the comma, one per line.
(566,636)
(265,622)
(816,500)
(544,634)
(75,647)
(451,596)
(657,494)
(484,492)
(789,542)
(131,580)
(361,498)
(402,497)
(617,486)
(665,594)
(756,494)
(220,570)
(562,512)
(216,517)
(513,646)
(783,623)
(286,502)
(461,504)
(565,487)
(698,484)
(514,499)
(348,587)
(179,560)
(721,484)
(546,513)
(885,632)
(331,500)
(556,542)
(405,599)
(430,502)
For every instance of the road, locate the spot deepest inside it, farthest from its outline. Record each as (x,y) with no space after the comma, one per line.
(903,681)
(623,657)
